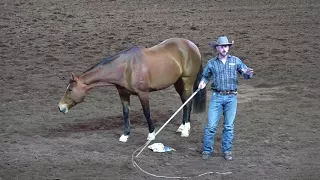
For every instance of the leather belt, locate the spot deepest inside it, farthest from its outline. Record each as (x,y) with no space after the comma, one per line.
(226,92)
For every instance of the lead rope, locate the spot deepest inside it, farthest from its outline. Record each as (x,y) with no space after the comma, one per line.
(146,144)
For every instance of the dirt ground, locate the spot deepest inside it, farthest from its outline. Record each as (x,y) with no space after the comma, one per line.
(277,127)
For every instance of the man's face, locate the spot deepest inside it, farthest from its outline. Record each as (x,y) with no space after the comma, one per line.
(223,50)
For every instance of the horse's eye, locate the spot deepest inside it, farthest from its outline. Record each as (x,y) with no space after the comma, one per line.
(69,89)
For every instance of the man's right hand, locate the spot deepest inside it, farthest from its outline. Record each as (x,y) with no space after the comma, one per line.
(202,85)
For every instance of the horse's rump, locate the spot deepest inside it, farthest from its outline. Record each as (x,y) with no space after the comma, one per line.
(170,60)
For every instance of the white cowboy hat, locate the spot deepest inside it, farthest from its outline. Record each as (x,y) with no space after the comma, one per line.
(222,40)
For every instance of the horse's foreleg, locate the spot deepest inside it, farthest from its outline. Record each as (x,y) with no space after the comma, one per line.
(125,100)
(144,99)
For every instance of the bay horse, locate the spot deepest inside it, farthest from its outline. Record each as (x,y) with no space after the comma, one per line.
(139,71)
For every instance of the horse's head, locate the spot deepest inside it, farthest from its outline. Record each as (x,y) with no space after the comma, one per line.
(75,93)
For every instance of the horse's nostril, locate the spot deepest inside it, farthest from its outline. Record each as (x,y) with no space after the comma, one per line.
(62,110)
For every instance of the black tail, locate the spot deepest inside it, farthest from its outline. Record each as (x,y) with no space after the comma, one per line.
(200,99)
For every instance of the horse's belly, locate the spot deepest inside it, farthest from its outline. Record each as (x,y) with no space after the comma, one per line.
(164,77)
(160,85)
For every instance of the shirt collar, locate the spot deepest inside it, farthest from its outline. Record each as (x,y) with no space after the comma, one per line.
(217,57)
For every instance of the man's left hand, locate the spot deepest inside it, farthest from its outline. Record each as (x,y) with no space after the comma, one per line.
(247,71)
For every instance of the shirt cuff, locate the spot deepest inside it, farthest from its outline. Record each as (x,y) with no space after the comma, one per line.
(205,80)
(246,76)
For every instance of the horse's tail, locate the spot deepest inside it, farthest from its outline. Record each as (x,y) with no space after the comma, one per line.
(200,99)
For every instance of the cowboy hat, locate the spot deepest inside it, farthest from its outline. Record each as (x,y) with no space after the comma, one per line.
(222,40)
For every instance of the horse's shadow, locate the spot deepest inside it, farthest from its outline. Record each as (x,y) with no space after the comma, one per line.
(113,123)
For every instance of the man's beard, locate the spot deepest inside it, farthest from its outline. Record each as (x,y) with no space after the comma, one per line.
(223,54)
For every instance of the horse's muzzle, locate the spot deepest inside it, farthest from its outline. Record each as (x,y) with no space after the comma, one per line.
(63,109)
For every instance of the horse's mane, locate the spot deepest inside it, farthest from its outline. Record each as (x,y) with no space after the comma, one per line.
(113,57)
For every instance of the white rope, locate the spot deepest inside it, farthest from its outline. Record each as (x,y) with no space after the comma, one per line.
(135,164)
(146,144)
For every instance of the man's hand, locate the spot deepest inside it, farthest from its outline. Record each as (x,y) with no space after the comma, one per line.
(247,71)
(202,85)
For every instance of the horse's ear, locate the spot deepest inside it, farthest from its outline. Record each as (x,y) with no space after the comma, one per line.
(73,76)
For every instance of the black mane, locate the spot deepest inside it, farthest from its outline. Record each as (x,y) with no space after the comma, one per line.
(113,57)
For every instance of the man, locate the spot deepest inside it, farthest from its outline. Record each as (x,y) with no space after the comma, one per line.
(223,69)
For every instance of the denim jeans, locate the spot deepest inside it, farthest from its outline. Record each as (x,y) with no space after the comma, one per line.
(226,104)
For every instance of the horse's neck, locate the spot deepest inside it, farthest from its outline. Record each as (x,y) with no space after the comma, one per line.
(106,75)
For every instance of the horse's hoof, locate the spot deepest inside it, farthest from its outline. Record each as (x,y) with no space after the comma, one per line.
(181,128)
(123,138)
(151,136)
(185,133)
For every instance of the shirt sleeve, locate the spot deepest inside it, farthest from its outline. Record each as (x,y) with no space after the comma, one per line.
(207,72)
(240,67)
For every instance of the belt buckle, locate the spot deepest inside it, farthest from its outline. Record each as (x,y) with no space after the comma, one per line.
(228,92)
(234,92)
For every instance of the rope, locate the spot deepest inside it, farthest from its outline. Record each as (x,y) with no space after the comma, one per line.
(146,144)
(135,164)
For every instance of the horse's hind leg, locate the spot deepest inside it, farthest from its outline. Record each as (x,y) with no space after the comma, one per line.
(144,99)
(125,100)
(184,87)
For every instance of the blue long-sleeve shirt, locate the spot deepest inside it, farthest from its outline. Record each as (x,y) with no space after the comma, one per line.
(224,76)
